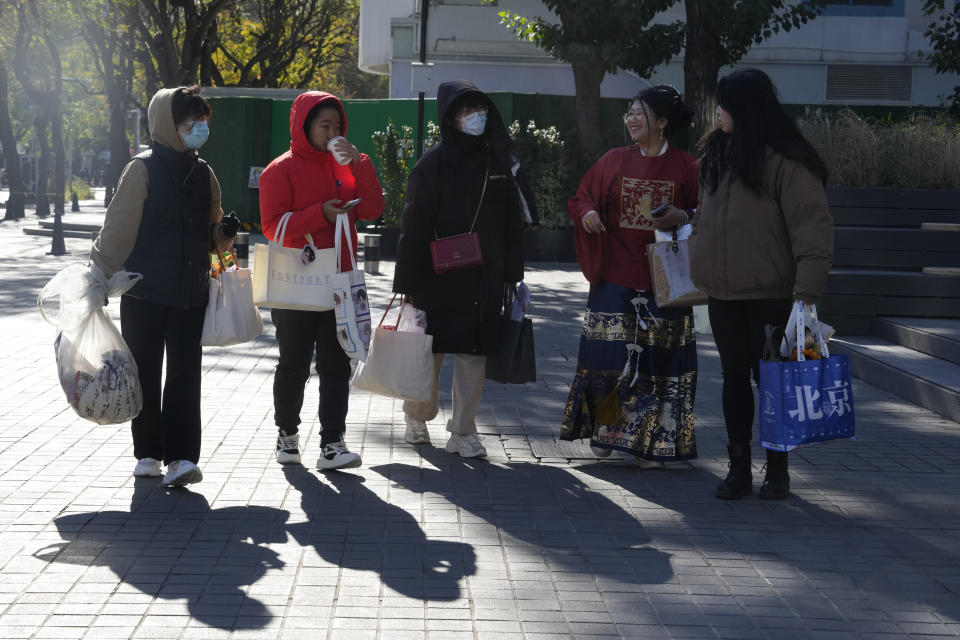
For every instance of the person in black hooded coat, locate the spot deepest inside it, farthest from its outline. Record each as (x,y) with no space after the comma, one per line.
(469,176)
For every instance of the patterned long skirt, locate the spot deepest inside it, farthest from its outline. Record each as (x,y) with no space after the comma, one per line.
(649,355)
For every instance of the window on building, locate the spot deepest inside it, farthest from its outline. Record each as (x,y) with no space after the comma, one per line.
(865,8)
(869,84)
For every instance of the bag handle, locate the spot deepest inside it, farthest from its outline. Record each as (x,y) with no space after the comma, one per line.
(801,333)
(483,192)
(343,224)
(282,227)
(387,310)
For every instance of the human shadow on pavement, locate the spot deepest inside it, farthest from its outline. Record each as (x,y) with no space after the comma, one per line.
(855,557)
(352,527)
(545,507)
(172,545)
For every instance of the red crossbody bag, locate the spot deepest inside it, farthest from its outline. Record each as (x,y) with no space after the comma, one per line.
(461,251)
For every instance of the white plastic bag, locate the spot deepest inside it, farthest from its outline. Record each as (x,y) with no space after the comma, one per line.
(96,369)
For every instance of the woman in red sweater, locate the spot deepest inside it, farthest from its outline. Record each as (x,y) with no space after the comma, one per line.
(637,362)
(309,181)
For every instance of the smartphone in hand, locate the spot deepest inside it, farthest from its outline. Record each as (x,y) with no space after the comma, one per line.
(350,205)
(660,211)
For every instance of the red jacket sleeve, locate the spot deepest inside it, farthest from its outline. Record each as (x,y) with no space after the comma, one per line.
(368,188)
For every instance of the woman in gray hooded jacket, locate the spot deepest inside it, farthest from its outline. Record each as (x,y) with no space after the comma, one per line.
(164,222)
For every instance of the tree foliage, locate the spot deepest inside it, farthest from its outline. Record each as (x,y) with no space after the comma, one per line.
(944,36)
(264,43)
(597,38)
(720,32)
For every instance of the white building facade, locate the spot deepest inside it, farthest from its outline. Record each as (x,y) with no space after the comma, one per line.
(856,52)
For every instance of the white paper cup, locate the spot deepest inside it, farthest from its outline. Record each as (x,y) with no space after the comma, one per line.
(341,158)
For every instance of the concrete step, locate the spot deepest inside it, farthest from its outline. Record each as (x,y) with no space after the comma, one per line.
(40,231)
(949,272)
(922,379)
(72,226)
(940,226)
(939,337)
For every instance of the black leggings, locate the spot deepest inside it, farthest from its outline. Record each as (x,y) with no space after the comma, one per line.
(303,336)
(738,332)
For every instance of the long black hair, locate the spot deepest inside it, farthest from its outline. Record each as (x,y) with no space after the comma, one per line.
(759,122)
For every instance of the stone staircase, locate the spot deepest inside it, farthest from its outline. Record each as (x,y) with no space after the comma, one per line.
(894,292)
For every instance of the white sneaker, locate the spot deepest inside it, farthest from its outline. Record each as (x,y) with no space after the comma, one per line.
(288,449)
(147,468)
(601,452)
(416,432)
(466,445)
(336,456)
(182,472)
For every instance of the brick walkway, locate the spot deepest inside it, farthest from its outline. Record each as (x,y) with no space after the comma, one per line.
(538,541)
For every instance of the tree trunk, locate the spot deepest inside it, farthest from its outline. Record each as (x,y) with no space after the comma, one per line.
(59,156)
(10,156)
(58,247)
(43,166)
(587,77)
(119,144)
(702,60)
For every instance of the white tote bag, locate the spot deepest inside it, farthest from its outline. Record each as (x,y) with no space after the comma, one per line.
(287,278)
(231,316)
(350,299)
(399,364)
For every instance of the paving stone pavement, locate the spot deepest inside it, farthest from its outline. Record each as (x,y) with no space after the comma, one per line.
(539,541)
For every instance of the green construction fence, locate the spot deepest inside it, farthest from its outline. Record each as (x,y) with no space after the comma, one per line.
(247,133)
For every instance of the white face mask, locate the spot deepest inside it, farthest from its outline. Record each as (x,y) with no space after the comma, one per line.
(199,133)
(473,124)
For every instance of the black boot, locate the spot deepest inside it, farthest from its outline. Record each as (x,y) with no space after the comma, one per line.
(776,482)
(739,480)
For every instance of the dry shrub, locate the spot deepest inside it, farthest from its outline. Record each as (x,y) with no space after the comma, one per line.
(921,153)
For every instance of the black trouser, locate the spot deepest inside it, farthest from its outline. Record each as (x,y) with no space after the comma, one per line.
(301,334)
(738,332)
(166,430)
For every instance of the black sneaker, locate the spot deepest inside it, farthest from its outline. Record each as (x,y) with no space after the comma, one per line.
(336,456)
(288,449)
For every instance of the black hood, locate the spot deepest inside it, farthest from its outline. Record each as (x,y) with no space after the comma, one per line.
(455,91)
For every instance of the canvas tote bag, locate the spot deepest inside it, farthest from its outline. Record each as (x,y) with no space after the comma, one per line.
(350,299)
(399,364)
(283,279)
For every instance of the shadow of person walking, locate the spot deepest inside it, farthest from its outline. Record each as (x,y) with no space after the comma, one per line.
(545,511)
(352,527)
(172,545)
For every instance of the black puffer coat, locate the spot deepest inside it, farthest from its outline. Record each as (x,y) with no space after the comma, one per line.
(463,307)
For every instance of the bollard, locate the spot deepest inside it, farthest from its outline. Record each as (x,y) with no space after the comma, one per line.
(242,248)
(371,253)
(76,203)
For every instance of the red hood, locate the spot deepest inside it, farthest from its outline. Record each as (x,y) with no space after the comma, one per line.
(302,105)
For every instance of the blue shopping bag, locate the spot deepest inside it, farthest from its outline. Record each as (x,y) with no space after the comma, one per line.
(805,401)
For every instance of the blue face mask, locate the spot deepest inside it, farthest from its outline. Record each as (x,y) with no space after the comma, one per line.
(197,136)
(474,124)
